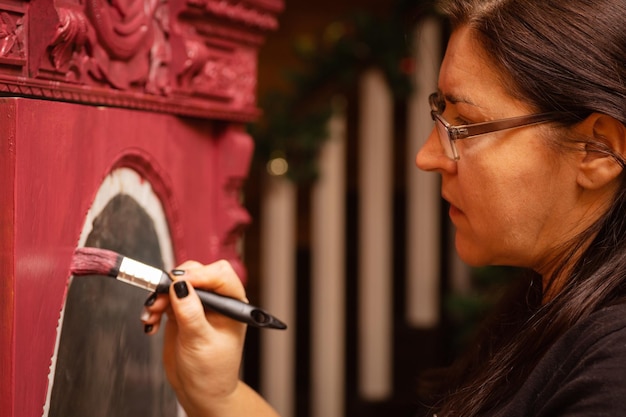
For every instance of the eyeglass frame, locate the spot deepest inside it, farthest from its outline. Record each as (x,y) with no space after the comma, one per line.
(459,132)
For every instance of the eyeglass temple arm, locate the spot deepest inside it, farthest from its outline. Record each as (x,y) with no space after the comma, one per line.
(464,131)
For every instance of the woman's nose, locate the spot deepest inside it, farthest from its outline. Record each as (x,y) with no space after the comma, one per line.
(431,156)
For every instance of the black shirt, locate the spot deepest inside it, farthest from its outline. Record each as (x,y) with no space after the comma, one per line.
(582,375)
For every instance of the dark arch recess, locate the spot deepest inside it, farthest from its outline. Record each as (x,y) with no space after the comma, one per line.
(106,366)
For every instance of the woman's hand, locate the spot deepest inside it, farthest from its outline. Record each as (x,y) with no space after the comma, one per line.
(202,350)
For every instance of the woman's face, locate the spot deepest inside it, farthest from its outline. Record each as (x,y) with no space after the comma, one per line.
(513,198)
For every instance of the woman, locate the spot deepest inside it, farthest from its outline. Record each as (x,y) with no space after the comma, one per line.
(529,140)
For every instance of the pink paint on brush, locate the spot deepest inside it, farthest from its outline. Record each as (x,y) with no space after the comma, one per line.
(94,261)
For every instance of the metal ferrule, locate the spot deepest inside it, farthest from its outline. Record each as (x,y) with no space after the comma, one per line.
(139,274)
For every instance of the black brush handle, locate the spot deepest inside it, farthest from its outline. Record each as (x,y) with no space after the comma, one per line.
(230,307)
(238,310)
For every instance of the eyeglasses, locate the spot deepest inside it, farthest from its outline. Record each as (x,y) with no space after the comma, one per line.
(449,134)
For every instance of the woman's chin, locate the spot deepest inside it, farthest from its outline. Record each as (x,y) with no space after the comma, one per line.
(470,255)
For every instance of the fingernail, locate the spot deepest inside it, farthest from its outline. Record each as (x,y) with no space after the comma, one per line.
(151,299)
(148,328)
(145,315)
(178,272)
(181,290)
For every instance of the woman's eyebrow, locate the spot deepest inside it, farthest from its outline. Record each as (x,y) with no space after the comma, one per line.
(455,99)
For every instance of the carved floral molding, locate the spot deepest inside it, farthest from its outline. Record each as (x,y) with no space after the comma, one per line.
(196,57)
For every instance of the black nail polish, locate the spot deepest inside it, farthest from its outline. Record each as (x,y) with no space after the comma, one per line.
(151,299)
(181,290)
(148,328)
(178,272)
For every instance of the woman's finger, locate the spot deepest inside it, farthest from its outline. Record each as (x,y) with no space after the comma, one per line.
(219,277)
(188,312)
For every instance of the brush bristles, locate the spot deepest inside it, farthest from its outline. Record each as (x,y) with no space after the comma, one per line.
(95,261)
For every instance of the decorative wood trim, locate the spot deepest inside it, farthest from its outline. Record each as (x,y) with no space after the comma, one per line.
(180,105)
(193,58)
(246,13)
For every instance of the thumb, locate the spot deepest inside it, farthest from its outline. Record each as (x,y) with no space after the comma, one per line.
(188,311)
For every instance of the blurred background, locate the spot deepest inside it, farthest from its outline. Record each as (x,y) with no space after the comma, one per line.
(349,243)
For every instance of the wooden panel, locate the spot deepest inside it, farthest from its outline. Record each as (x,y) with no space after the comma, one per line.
(61,153)
(7,262)
(89,86)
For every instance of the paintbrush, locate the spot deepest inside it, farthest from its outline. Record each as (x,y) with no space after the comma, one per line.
(96,261)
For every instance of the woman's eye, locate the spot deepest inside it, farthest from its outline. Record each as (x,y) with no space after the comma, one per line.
(461,121)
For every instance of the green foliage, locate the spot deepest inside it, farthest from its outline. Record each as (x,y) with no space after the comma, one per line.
(294,125)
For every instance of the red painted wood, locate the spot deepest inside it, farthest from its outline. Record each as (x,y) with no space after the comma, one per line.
(7,262)
(172,93)
(62,154)
(195,58)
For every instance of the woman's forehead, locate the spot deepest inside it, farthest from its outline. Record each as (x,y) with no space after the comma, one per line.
(467,76)
(464,67)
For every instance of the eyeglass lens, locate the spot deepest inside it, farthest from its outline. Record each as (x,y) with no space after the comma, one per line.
(444,138)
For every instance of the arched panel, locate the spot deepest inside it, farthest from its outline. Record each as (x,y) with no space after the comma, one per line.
(103,364)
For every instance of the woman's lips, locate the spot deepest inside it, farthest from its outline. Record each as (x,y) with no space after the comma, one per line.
(454,211)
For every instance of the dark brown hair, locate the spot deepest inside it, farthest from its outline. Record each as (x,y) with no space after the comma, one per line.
(557,56)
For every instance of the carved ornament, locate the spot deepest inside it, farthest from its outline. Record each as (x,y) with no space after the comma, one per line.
(194,57)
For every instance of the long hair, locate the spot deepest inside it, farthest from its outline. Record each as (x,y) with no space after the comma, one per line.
(557,56)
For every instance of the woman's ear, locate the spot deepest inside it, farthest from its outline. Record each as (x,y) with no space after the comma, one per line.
(599,167)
